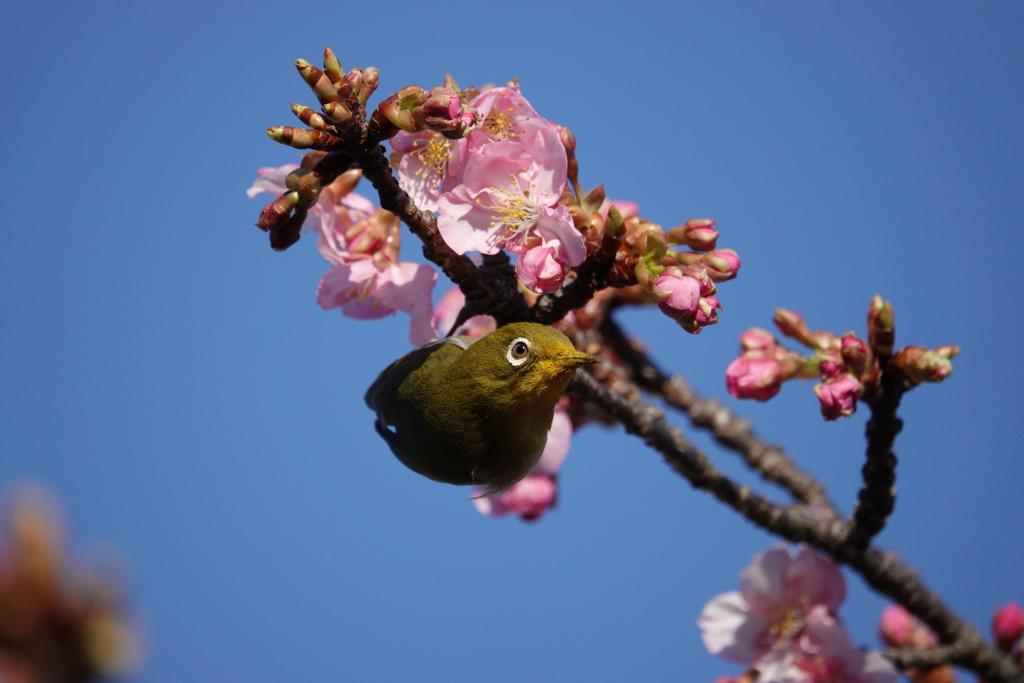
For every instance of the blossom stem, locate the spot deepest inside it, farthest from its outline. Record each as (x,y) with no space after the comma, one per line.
(729,430)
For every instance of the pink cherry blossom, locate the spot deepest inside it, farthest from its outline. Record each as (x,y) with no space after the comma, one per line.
(540,270)
(761,624)
(447,311)
(707,311)
(428,165)
(507,116)
(365,291)
(537,492)
(755,374)
(839,397)
(508,199)
(827,655)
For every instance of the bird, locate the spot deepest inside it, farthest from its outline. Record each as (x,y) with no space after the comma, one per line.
(475,410)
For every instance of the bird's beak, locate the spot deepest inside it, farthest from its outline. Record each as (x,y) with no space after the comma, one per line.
(574,359)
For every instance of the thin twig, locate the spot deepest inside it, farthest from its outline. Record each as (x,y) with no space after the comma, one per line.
(729,430)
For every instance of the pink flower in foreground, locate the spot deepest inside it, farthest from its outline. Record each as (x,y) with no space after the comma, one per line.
(509,200)
(828,656)
(761,624)
(1008,625)
(447,311)
(538,491)
(839,397)
(428,165)
(507,117)
(755,374)
(540,270)
(364,291)
(677,296)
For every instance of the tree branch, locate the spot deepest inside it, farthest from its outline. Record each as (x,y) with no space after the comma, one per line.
(883,571)
(877,497)
(728,430)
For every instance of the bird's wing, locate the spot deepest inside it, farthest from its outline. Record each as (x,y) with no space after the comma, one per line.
(392,377)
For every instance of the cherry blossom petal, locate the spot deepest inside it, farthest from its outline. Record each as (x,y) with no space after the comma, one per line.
(407,287)
(730,630)
(557,446)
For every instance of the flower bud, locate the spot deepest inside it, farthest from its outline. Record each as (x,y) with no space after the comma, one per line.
(948,351)
(650,243)
(839,396)
(697,234)
(755,374)
(319,83)
(275,213)
(309,117)
(881,326)
(707,311)
(371,79)
(594,199)
(288,234)
(756,339)
(613,225)
(792,325)
(856,353)
(332,68)
(922,365)
(566,137)
(301,138)
(338,112)
(677,296)
(1008,625)
(700,274)
(722,264)
(831,365)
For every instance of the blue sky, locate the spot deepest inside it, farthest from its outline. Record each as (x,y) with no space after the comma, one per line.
(172,380)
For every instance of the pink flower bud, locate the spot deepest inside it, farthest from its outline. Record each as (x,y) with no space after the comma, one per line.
(754,375)
(697,234)
(1008,625)
(756,339)
(677,296)
(530,497)
(566,137)
(722,264)
(706,313)
(792,325)
(839,397)
(540,270)
(700,274)
(831,365)
(896,626)
(855,353)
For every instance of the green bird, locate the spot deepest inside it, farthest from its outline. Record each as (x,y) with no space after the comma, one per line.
(475,410)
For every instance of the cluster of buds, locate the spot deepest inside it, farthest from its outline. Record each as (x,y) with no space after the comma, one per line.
(442,109)
(342,125)
(684,284)
(899,628)
(848,367)
(56,625)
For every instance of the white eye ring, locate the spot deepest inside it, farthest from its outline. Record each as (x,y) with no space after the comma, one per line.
(518,351)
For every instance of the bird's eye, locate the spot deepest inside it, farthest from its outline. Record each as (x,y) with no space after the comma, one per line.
(517,351)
